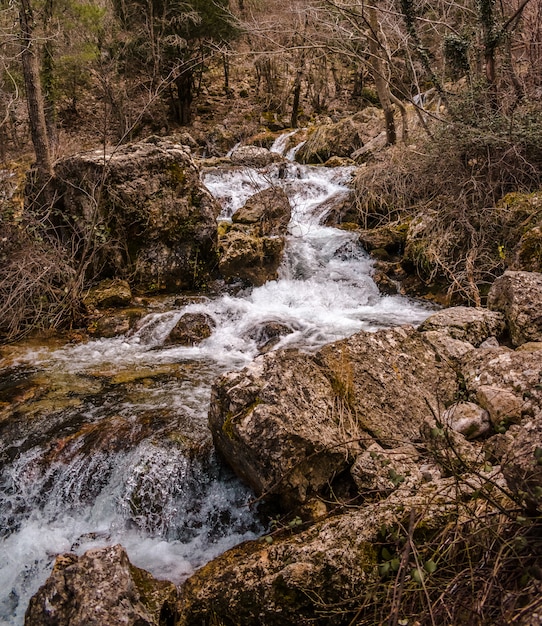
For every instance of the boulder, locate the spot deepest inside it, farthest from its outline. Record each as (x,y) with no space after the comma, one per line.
(528,252)
(254,156)
(291,422)
(467,418)
(268,334)
(518,295)
(144,210)
(340,139)
(191,329)
(505,382)
(99,588)
(522,462)
(268,212)
(116,323)
(378,471)
(324,574)
(450,349)
(109,293)
(470,324)
(251,259)
(251,247)
(390,238)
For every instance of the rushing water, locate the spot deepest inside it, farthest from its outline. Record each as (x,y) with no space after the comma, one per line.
(124,456)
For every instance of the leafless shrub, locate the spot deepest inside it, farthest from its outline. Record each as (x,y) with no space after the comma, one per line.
(40,289)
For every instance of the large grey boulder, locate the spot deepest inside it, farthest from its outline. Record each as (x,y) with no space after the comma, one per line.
(522,463)
(519,296)
(102,588)
(290,422)
(143,210)
(251,247)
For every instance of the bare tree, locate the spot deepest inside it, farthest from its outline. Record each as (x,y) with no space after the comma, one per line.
(34,95)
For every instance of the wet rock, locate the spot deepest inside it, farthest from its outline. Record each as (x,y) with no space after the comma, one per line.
(385,284)
(99,588)
(268,334)
(290,422)
(191,329)
(253,260)
(390,238)
(518,296)
(117,323)
(251,248)
(156,220)
(467,418)
(268,212)
(340,139)
(254,156)
(470,324)
(506,383)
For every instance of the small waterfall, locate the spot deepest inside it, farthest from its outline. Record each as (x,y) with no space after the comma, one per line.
(125,456)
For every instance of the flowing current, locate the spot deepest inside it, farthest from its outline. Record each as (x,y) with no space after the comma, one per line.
(124,455)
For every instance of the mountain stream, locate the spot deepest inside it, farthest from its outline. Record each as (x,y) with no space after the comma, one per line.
(109,443)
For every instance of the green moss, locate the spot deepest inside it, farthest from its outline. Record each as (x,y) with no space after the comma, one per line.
(227,426)
(177,175)
(223,229)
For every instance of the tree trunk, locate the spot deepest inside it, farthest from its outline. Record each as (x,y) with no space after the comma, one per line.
(381,84)
(183,83)
(34,96)
(297,98)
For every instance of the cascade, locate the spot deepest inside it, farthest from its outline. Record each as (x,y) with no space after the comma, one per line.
(129,460)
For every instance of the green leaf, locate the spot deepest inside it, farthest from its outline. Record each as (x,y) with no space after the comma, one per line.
(430,566)
(386,555)
(417,575)
(383,569)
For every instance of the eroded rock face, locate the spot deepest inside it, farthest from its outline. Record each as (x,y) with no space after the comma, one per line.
(99,588)
(290,422)
(146,211)
(518,295)
(470,324)
(251,247)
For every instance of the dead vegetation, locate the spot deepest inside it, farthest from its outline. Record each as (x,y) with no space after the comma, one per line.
(451,189)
